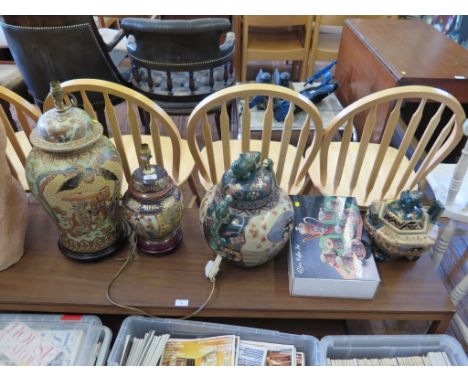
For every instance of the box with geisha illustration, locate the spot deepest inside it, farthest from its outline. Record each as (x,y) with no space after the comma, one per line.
(330,254)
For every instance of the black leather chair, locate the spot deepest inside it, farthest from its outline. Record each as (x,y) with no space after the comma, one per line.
(61,48)
(179,62)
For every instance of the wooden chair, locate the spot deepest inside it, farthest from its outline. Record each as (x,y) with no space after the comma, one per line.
(170,151)
(456,211)
(267,38)
(215,158)
(373,171)
(326,36)
(18,145)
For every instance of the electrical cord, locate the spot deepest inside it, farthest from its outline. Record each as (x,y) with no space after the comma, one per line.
(131,256)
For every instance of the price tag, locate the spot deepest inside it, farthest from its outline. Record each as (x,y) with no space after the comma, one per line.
(150,177)
(181,303)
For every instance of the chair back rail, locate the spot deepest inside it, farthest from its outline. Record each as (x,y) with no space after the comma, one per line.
(459,173)
(179,62)
(18,142)
(419,163)
(299,163)
(63,47)
(158,119)
(295,47)
(275,21)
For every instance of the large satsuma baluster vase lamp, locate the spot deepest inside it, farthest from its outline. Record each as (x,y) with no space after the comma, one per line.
(76,174)
(247,218)
(153,207)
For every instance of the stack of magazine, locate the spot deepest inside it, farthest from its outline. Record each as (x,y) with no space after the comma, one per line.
(227,350)
(24,346)
(430,359)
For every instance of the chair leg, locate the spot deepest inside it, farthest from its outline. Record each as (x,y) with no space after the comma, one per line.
(443,243)
(302,75)
(194,189)
(244,67)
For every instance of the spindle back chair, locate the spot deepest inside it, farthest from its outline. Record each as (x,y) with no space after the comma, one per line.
(372,171)
(216,157)
(169,151)
(18,145)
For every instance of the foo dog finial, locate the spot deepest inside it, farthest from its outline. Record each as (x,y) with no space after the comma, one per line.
(246,165)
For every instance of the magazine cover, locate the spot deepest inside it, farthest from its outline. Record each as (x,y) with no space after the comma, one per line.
(329,256)
(213,351)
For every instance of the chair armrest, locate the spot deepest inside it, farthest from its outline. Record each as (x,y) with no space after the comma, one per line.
(229,42)
(111,37)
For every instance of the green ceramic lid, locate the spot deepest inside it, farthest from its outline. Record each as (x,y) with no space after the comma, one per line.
(250,182)
(65,128)
(406,214)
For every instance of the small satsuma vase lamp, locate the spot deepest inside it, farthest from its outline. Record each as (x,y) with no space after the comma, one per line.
(76,174)
(246,217)
(153,207)
(402,227)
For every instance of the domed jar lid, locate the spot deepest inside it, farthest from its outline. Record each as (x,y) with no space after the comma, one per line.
(407,216)
(250,182)
(65,128)
(149,182)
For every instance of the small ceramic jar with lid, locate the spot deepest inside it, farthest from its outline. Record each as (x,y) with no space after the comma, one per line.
(153,207)
(402,227)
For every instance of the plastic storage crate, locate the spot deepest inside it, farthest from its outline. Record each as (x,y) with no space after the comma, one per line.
(105,339)
(137,326)
(383,346)
(83,333)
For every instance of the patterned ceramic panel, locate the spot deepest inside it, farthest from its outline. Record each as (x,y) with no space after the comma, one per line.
(80,191)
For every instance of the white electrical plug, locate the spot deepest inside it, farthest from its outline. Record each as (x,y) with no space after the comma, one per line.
(212,268)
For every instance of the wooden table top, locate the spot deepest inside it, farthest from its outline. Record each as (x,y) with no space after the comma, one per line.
(415,52)
(44,280)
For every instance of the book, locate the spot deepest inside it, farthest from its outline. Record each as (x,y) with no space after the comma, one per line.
(330,254)
(277,354)
(212,351)
(251,355)
(26,347)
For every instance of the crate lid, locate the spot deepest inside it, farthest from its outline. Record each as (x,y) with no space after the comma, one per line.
(68,339)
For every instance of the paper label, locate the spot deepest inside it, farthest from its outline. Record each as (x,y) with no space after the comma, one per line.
(24,346)
(179,302)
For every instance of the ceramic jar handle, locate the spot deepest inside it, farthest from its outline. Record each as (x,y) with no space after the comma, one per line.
(222,216)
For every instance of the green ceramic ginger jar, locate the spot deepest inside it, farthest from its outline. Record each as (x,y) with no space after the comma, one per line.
(247,218)
(76,174)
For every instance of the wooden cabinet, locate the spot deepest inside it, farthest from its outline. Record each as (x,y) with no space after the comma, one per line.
(376,54)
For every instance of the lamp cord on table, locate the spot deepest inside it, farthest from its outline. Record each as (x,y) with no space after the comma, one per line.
(131,256)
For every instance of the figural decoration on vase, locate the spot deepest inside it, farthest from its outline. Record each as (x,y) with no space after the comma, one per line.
(76,174)
(153,207)
(402,227)
(246,217)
